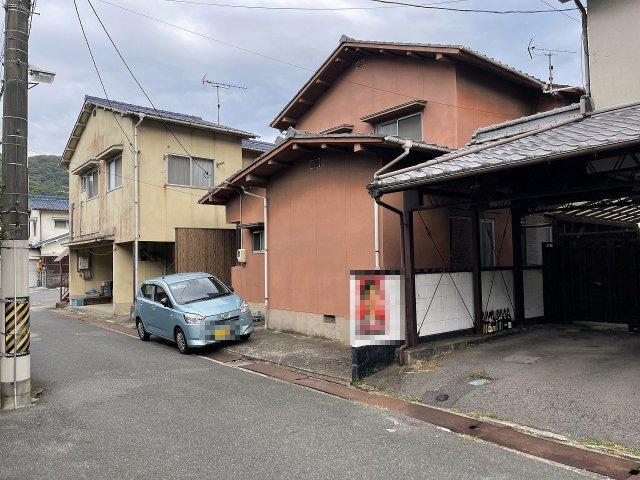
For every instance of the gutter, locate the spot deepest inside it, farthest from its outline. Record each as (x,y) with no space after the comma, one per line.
(406,145)
(585,47)
(136,204)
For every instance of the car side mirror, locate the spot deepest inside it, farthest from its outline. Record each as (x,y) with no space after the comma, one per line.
(165,302)
(231,288)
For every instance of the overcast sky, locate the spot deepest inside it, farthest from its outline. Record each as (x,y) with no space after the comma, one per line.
(171,63)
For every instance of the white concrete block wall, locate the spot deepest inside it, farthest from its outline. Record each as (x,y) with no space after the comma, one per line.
(448,313)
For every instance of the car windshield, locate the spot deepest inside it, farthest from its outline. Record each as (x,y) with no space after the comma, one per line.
(197,289)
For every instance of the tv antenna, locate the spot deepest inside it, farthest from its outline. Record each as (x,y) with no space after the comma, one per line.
(537,51)
(218,86)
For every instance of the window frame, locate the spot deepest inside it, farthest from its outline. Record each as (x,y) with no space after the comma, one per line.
(397,120)
(191,159)
(65,220)
(259,231)
(112,161)
(96,174)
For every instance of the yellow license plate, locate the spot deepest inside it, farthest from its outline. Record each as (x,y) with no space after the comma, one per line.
(222,333)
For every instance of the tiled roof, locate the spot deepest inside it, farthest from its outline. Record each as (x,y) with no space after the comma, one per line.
(164,114)
(610,128)
(256,145)
(48,202)
(50,240)
(523,124)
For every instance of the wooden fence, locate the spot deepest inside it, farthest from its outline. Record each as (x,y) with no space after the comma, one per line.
(211,250)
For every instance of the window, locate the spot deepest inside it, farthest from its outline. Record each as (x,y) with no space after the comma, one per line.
(83,183)
(147,291)
(197,290)
(90,184)
(60,223)
(189,172)
(257,240)
(114,173)
(487,242)
(406,127)
(162,295)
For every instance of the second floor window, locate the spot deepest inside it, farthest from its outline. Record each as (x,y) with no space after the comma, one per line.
(114,173)
(189,172)
(60,223)
(257,241)
(405,127)
(90,184)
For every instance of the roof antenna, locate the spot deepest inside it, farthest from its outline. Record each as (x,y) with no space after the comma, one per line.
(549,53)
(218,86)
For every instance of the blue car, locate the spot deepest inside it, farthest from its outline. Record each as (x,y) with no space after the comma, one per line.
(191,309)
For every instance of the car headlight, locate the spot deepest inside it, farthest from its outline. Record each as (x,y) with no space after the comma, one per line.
(193,318)
(244,308)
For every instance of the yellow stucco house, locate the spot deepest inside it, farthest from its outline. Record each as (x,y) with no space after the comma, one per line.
(178,158)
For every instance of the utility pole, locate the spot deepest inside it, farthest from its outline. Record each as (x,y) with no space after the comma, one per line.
(15,367)
(218,86)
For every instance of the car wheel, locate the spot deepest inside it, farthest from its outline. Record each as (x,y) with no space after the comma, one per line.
(181,341)
(244,338)
(142,332)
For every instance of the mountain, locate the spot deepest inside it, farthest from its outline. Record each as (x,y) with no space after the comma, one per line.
(47,177)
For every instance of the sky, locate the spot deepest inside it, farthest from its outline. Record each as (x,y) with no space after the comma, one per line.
(170,63)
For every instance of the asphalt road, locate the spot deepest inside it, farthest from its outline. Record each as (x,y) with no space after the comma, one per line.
(116,408)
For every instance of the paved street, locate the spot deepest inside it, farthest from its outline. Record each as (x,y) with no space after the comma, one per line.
(114,407)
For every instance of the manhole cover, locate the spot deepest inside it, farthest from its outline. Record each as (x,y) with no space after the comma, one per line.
(524,359)
(443,397)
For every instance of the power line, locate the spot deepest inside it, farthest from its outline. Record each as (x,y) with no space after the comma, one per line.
(309,9)
(561,11)
(159,115)
(285,62)
(95,66)
(471,10)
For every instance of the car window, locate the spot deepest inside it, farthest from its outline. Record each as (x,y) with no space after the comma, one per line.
(147,291)
(161,294)
(197,289)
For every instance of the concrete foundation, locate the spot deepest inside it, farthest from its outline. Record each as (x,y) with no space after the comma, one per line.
(312,324)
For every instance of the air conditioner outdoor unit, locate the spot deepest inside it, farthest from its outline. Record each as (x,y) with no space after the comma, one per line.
(242,255)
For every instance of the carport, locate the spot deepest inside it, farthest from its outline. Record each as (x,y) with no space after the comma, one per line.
(570,165)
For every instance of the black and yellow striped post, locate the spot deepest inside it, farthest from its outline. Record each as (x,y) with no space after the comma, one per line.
(17,331)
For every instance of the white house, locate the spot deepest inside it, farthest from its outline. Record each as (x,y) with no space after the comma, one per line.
(48,229)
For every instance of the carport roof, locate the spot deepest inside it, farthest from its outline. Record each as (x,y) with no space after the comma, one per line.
(571,135)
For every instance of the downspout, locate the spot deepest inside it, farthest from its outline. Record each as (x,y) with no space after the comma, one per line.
(406,145)
(136,205)
(266,255)
(585,48)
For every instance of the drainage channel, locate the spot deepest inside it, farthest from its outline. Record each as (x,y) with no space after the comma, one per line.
(608,465)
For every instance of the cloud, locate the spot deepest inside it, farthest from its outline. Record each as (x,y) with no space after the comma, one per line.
(170,63)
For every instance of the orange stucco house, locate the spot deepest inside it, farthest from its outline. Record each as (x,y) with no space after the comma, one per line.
(351,118)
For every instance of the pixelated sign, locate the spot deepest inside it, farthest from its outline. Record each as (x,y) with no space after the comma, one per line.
(377,308)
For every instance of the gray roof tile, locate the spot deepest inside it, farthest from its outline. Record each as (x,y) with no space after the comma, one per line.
(48,202)
(605,128)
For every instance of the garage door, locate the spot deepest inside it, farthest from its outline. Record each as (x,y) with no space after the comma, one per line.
(33,272)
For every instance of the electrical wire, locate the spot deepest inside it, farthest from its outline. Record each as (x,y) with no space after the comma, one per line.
(286,62)
(310,9)
(159,115)
(561,11)
(471,10)
(95,66)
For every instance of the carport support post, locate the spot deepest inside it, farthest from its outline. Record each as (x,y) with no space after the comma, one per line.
(476,274)
(518,278)
(409,270)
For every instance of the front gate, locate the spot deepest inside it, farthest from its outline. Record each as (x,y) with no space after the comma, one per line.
(592,278)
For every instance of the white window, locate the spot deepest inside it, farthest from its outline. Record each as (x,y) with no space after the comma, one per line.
(114,173)
(405,127)
(257,240)
(90,183)
(487,242)
(61,223)
(189,172)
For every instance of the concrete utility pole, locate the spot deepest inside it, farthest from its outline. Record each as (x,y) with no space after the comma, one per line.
(15,361)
